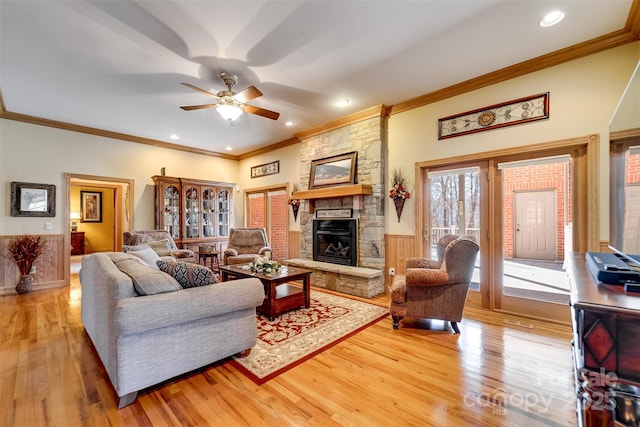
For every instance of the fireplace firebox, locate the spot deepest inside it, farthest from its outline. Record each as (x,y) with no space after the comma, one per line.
(336,241)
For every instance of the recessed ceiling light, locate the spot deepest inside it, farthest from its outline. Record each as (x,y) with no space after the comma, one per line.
(288,123)
(552,18)
(342,102)
(228,148)
(173,136)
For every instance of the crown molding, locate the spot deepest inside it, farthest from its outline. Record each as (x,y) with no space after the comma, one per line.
(577,51)
(108,134)
(629,34)
(377,111)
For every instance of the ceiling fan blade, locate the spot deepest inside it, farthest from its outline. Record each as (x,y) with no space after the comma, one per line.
(200,90)
(261,112)
(198,107)
(247,95)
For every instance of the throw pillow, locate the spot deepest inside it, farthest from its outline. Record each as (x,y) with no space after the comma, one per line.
(148,255)
(129,248)
(116,257)
(162,247)
(147,280)
(188,274)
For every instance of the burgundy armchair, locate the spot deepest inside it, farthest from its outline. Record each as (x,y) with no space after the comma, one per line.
(434,290)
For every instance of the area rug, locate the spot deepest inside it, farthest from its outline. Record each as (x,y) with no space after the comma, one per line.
(298,335)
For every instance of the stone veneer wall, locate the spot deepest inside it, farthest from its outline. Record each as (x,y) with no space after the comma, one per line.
(367,137)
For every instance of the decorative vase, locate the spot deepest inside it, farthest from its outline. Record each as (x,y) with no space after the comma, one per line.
(295,212)
(399,202)
(24,284)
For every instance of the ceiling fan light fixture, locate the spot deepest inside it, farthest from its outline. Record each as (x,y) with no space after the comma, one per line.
(229,112)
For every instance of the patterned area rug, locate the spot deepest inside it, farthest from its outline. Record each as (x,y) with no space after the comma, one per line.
(298,335)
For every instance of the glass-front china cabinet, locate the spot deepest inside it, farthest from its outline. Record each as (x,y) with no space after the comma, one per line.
(194,212)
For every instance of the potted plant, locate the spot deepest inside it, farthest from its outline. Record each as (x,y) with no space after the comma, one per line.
(25,250)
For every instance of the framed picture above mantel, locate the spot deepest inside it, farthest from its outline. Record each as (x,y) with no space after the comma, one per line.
(334,170)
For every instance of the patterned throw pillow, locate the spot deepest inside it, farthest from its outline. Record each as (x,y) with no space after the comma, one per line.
(188,274)
(162,247)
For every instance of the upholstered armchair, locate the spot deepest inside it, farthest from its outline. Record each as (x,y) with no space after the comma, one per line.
(160,241)
(244,244)
(436,292)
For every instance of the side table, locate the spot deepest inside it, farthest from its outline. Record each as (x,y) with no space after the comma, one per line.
(77,243)
(205,252)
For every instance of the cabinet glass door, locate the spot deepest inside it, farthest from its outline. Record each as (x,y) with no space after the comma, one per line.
(192,213)
(224,213)
(208,212)
(171,215)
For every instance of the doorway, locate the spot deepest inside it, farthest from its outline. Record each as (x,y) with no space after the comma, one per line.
(116,215)
(535,225)
(267,208)
(561,217)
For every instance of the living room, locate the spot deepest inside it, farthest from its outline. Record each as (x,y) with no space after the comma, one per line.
(584,93)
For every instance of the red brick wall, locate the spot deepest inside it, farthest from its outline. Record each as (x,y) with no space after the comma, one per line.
(533,178)
(278,221)
(633,168)
(278,238)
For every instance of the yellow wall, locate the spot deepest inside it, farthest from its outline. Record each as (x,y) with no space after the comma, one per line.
(98,236)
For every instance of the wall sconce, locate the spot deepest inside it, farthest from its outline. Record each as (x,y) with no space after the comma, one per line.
(75,216)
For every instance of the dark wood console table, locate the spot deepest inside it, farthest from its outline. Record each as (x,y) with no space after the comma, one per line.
(606,347)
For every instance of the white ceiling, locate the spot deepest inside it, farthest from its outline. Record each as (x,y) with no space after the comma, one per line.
(117,65)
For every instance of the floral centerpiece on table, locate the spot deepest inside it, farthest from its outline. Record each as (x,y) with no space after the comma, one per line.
(398,186)
(263,265)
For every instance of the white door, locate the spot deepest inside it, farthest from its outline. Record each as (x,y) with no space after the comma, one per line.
(535,225)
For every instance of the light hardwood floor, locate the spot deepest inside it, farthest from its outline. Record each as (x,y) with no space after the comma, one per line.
(492,374)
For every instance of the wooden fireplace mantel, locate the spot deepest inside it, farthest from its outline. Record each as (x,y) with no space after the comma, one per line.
(357,191)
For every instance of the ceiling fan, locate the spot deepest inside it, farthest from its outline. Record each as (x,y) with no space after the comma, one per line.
(230,105)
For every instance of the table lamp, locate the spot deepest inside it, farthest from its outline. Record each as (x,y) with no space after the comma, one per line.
(75,216)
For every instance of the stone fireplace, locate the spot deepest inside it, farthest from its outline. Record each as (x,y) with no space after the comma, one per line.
(335,241)
(366,199)
(366,137)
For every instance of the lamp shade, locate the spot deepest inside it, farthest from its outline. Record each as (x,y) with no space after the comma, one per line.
(74,215)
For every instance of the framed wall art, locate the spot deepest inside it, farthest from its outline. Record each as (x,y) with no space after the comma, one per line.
(335,170)
(29,199)
(510,113)
(265,169)
(90,206)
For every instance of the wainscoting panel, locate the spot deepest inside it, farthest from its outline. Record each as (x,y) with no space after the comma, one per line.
(293,245)
(49,267)
(397,249)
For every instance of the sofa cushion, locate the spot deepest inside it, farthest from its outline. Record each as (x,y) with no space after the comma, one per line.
(148,255)
(146,280)
(188,274)
(162,247)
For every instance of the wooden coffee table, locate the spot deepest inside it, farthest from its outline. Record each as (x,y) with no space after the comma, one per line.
(280,295)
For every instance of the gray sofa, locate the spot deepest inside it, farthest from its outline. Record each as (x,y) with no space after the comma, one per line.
(144,340)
